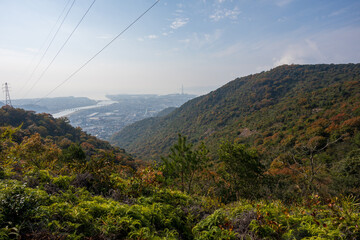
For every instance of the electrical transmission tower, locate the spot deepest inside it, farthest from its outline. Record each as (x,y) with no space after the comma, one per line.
(7,95)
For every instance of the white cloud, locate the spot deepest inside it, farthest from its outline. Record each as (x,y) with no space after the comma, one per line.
(225,13)
(167,33)
(338,12)
(282,19)
(231,50)
(105,36)
(187,40)
(149,37)
(338,46)
(306,51)
(153,36)
(282,3)
(33,50)
(199,40)
(179,22)
(8,53)
(178,13)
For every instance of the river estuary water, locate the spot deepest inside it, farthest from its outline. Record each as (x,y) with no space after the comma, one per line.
(68,112)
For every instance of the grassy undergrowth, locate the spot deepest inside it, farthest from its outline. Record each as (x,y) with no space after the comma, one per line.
(54,208)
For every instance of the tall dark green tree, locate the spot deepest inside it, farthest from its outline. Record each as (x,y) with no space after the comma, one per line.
(74,154)
(184,161)
(243,167)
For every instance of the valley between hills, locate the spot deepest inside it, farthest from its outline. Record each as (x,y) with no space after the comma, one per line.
(273,155)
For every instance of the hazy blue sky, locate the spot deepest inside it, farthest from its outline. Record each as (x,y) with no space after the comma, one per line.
(201,44)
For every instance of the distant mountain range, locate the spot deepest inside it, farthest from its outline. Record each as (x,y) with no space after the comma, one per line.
(103,121)
(58,131)
(103,118)
(52,105)
(282,108)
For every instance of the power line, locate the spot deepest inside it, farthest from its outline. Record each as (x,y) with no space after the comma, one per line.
(52,40)
(48,66)
(88,61)
(43,44)
(57,21)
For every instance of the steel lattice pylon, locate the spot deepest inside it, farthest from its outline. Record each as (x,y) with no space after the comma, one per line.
(7,95)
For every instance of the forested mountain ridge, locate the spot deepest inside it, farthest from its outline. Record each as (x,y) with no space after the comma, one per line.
(300,180)
(52,105)
(57,131)
(283,107)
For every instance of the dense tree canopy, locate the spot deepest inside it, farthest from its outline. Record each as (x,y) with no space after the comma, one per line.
(272,111)
(284,163)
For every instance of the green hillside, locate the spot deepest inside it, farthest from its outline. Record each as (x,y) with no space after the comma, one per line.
(281,108)
(57,131)
(54,188)
(302,181)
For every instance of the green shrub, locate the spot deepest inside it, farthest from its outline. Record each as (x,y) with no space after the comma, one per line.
(215,226)
(63,182)
(338,219)
(2,173)
(19,205)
